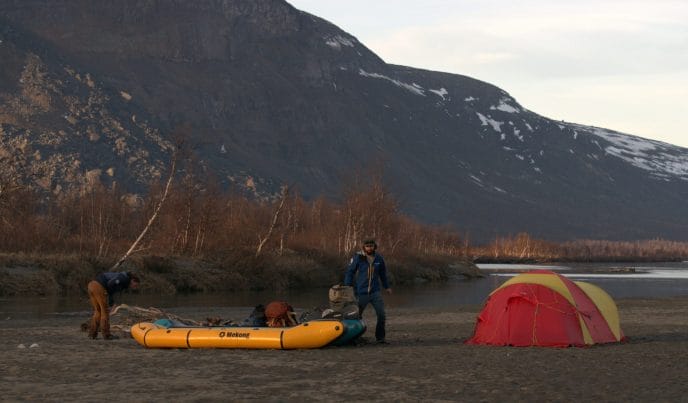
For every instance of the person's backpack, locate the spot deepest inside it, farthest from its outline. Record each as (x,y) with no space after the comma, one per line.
(342,302)
(280,314)
(341,295)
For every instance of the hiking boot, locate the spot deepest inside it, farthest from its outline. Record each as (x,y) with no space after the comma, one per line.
(110,337)
(382,341)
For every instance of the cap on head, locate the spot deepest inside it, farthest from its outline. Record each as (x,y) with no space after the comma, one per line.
(369,241)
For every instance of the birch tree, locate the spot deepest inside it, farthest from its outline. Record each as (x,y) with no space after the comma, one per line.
(173,168)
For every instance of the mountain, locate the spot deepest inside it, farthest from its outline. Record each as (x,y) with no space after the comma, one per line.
(91,90)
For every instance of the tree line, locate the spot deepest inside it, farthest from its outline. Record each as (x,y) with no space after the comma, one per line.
(201,219)
(523,247)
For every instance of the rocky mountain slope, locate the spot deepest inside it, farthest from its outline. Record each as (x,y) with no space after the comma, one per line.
(90,91)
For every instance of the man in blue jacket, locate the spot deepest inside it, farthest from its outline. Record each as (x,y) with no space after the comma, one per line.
(368,275)
(101,293)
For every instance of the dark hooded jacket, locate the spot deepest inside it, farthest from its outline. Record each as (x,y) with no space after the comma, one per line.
(113,282)
(363,278)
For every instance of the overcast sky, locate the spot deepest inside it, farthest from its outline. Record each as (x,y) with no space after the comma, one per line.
(617,64)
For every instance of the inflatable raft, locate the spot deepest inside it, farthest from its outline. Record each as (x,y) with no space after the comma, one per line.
(313,334)
(353,328)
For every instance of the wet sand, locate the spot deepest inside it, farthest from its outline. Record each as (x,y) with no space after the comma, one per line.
(426,360)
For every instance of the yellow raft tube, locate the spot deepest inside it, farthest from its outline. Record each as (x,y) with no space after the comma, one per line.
(313,334)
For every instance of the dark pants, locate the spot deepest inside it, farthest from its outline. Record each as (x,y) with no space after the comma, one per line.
(101,310)
(374,299)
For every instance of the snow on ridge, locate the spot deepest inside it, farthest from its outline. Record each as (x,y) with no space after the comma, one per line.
(414,88)
(660,159)
(632,144)
(505,107)
(337,41)
(496,126)
(442,92)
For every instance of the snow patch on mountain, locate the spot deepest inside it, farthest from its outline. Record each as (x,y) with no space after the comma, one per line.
(518,135)
(442,92)
(496,125)
(504,106)
(414,88)
(476,180)
(336,42)
(660,159)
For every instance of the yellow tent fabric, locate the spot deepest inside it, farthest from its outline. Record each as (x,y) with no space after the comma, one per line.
(605,304)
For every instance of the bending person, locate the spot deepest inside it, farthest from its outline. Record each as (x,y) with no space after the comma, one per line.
(101,293)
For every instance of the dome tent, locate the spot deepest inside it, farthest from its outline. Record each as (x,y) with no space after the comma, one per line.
(543,308)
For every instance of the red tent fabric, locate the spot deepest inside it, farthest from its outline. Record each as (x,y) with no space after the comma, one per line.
(542,308)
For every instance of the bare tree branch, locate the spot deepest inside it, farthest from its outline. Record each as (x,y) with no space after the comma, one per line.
(275,217)
(132,248)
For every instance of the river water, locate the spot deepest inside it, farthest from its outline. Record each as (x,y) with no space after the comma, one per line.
(647,280)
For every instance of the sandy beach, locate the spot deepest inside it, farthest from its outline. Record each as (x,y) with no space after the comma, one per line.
(425,360)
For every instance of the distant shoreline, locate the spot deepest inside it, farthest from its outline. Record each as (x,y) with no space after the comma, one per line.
(37,275)
(602,259)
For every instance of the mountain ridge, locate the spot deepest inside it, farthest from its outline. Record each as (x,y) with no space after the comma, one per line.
(275,95)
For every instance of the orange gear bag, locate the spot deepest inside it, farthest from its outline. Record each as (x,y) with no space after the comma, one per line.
(280,314)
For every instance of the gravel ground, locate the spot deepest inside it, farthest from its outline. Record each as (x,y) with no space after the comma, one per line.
(425,360)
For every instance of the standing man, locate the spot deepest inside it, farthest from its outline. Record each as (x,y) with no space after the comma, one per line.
(365,273)
(101,293)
